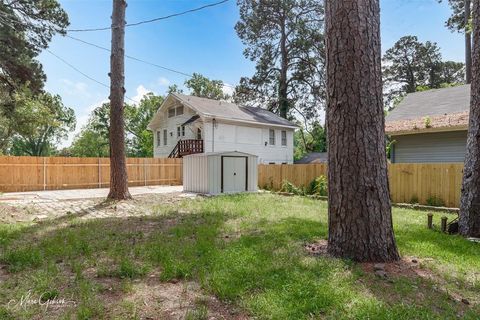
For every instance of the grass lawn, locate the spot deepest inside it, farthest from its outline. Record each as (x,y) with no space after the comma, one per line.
(232,257)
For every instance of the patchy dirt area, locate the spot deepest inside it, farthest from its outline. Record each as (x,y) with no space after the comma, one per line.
(14,209)
(177,300)
(408,267)
(318,248)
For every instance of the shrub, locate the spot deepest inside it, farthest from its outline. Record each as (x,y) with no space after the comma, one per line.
(435,201)
(414,200)
(319,186)
(427,122)
(289,187)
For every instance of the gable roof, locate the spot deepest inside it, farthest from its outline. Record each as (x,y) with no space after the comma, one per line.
(209,108)
(446,108)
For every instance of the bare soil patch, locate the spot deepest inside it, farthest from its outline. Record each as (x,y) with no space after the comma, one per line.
(317,248)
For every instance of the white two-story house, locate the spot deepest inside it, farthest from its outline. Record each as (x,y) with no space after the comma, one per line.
(187,124)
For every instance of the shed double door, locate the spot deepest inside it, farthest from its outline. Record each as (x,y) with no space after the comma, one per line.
(234,174)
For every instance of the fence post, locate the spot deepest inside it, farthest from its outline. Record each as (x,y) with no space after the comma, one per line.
(99,173)
(44,174)
(444,224)
(430,221)
(145,171)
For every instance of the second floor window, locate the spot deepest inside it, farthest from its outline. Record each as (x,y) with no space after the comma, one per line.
(175,111)
(199,134)
(158,138)
(271,137)
(179,110)
(284,138)
(183,131)
(165,137)
(178,132)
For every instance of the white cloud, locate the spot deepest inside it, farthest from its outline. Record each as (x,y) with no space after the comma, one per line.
(228,89)
(141,91)
(77,89)
(163,82)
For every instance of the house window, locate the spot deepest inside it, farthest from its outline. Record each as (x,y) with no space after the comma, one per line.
(179,110)
(175,111)
(178,132)
(199,134)
(271,137)
(158,138)
(284,138)
(183,131)
(165,137)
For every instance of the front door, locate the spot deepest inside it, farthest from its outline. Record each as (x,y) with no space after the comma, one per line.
(234,174)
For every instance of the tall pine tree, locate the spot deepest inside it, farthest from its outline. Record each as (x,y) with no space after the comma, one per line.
(359,209)
(285,39)
(469,221)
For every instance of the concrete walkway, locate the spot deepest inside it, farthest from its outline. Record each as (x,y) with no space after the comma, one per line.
(77,194)
(85,203)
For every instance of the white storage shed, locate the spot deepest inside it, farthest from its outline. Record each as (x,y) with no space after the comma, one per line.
(220,172)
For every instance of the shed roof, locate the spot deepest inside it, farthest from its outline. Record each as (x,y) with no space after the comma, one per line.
(207,154)
(445,108)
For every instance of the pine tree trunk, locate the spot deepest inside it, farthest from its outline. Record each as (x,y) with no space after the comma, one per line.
(118,162)
(282,85)
(469,222)
(360,219)
(468,44)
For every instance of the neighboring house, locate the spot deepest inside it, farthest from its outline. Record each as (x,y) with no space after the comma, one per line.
(430,126)
(187,125)
(313,157)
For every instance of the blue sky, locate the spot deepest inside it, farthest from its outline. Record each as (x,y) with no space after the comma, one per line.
(203,42)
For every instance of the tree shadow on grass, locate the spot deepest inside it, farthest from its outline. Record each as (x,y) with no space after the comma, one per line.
(264,268)
(274,277)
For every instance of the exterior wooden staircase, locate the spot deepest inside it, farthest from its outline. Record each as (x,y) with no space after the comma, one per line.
(186,147)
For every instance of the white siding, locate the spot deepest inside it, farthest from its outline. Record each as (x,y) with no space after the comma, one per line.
(249,139)
(430,147)
(171,124)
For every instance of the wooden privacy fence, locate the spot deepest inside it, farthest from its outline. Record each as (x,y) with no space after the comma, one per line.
(408,182)
(271,176)
(53,173)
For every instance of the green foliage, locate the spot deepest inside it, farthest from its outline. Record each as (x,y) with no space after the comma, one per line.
(39,123)
(414,200)
(92,141)
(89,143)
(435,201)
(286,41)
(137,117)
(318,186)
(313,140)
(390,144)
(27,27)
(456,22)
(201,86)
(289,187)
(417,66)
(427,121)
